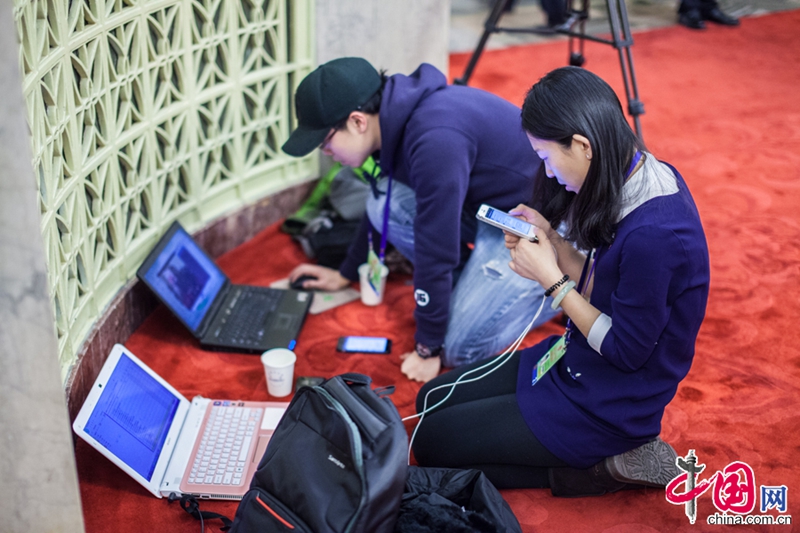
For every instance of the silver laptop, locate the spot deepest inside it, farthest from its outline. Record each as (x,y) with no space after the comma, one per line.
(207,448)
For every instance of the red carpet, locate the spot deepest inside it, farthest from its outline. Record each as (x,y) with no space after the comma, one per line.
(721,106)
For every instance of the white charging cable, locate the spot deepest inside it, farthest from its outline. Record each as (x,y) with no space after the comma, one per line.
(502,358)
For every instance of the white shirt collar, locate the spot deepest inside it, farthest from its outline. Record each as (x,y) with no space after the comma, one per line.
(653,179)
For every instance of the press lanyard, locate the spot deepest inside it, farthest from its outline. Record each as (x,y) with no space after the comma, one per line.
(385,232)
(582,288)
(374,261)
(557,351)
(637,156)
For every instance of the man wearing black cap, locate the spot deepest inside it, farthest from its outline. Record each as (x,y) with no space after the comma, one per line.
(443,150)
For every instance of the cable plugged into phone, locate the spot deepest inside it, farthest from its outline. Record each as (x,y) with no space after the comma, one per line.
(493,365)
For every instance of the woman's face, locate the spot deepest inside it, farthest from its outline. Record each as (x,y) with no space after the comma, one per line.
(567,165)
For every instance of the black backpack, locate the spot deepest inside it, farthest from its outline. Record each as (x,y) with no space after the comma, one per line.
(337,463)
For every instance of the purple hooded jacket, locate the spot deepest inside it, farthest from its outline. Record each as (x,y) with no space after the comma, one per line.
(456,147)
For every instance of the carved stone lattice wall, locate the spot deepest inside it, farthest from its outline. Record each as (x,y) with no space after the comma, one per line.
(144,111)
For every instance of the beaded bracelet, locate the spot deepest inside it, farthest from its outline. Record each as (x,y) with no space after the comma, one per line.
(561,294)
(556,285)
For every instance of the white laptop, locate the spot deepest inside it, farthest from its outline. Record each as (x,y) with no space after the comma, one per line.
(207,448)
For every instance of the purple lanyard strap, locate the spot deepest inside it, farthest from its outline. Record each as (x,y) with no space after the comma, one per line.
(385,229)
(385,232)
(584,281)
(635,161)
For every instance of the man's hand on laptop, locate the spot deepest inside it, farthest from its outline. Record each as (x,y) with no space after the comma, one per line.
(327,279)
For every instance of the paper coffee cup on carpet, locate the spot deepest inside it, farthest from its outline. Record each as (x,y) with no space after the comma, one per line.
(279,369)
(372,293)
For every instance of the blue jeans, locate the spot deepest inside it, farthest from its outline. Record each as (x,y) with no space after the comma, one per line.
(490,305)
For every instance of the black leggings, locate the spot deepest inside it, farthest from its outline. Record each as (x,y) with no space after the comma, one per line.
(480,426)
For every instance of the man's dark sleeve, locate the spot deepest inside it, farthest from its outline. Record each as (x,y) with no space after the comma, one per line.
(440,161)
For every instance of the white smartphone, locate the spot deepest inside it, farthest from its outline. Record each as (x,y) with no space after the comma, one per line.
(506,222)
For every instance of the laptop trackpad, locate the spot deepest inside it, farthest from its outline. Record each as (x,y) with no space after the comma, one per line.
(284,321)
(261,447)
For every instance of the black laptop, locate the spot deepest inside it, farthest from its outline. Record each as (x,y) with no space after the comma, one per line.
(221,315)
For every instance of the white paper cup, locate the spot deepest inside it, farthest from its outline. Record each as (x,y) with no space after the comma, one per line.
(279,369)
(369,296)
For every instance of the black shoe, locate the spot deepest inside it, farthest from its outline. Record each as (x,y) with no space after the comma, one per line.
(568,482)
(651,465)
(715,14)
(692,19)
(397,263)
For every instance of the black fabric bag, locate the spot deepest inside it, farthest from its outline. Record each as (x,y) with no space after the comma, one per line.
(327,239)
(336,463)
(456,501)
(328,220)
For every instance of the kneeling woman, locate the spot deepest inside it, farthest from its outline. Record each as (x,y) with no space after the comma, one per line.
(635,302)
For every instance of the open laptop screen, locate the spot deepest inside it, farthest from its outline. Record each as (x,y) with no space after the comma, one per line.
(133,416)
(185,279)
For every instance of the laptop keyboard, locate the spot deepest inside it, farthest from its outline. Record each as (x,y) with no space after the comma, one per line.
(222,456)
(244,323)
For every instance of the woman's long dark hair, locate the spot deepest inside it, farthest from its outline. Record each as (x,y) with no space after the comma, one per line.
(572,100)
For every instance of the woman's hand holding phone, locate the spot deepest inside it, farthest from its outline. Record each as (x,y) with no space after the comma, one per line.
(533,260)
(536,261)
(530,215)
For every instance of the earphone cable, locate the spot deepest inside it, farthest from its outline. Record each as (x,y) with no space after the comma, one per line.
(502,358)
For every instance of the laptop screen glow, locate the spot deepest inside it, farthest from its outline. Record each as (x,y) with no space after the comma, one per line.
(133,416)
(186,279)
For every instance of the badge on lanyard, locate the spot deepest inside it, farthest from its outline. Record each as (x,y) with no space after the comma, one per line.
(557,351)
(549,359)
(375,269)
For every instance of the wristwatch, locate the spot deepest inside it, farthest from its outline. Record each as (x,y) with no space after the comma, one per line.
(426,352)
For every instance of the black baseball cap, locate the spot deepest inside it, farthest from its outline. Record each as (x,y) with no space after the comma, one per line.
(326,97)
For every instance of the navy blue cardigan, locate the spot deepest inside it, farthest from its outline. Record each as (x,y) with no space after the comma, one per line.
(653,282)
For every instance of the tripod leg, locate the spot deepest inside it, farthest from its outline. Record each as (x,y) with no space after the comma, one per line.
(489,27)
(621,31)
(576,55)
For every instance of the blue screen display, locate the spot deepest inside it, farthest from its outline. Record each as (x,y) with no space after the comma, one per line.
(507,220)
(185,279)
(133,416)
(365,344)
